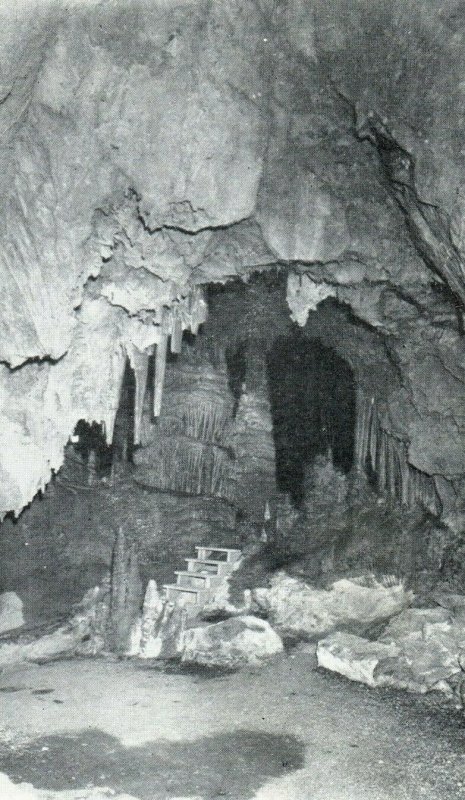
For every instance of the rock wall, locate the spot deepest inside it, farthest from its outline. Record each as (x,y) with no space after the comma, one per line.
(335,125)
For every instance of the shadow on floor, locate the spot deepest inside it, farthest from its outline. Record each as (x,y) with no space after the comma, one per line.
(227,765)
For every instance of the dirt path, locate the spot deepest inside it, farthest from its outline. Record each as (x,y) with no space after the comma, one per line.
(287,732)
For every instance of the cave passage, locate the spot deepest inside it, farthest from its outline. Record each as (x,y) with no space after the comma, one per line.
(312,394)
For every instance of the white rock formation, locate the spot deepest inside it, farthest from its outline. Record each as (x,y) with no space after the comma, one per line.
(143,154)
(354,657)
(420,650)
(298,609)
(230,644)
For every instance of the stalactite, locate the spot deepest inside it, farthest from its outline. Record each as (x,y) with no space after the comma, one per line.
(390,474)
(176,332)
(159,380)
(364,416)
(191,467)
(382,462)
(139,362)
(197,310)
(359,434)
(404,475)
(388,457)
(373,435)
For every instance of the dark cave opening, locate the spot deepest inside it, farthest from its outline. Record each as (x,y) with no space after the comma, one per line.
(91,448)
(312,394)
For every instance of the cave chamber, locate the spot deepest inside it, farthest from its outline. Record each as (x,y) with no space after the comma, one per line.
(232,378)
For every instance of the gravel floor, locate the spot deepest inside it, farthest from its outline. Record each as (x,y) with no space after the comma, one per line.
(286,732)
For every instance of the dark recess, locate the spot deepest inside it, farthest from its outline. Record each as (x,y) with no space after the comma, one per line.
(312,393)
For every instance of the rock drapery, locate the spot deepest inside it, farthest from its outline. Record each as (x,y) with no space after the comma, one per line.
(148,148)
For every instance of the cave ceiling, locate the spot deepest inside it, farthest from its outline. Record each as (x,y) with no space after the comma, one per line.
(150,148)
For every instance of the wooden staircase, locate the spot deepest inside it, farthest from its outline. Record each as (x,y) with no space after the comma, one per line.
(203,575)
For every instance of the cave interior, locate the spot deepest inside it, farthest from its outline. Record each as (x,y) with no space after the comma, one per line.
(232,324)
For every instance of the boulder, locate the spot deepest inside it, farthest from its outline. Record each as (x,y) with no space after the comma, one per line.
(354,657)
(11,611)
(232,643)
(422,649)
(431,641)
(416,623)
(81,635)
(299,610)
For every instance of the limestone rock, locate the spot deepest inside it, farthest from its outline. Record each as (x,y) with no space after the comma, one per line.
(354,657)
(81,635)
(299,610)
(420,650)
(416,623)
(11,611)
(233,643)
(431,641)
(151,613)
(166,639)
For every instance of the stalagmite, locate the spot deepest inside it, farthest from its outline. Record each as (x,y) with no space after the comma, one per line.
(159,380)
(125,592)
(118,592)
(151,614)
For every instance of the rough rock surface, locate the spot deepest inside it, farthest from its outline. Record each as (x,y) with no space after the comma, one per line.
(81,635)
(230,644)
(11,611)
(420,650)
(299,610)
(334,124)
(354,657)
(431,642)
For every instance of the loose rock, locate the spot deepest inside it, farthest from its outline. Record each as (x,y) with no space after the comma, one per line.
(231,644)
(354,657)
(299,610)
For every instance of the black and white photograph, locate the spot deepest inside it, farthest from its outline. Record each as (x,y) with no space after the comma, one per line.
(232,399)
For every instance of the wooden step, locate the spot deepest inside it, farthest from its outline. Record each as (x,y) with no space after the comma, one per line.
(228,554)
(201,580)
(222,568)
(190,594)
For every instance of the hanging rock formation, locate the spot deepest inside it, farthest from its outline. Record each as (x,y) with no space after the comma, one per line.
(147,148)
(185,450)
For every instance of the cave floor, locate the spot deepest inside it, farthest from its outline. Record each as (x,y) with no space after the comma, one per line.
(288,731)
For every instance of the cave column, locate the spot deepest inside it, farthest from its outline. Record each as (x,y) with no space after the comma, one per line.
(253,443)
